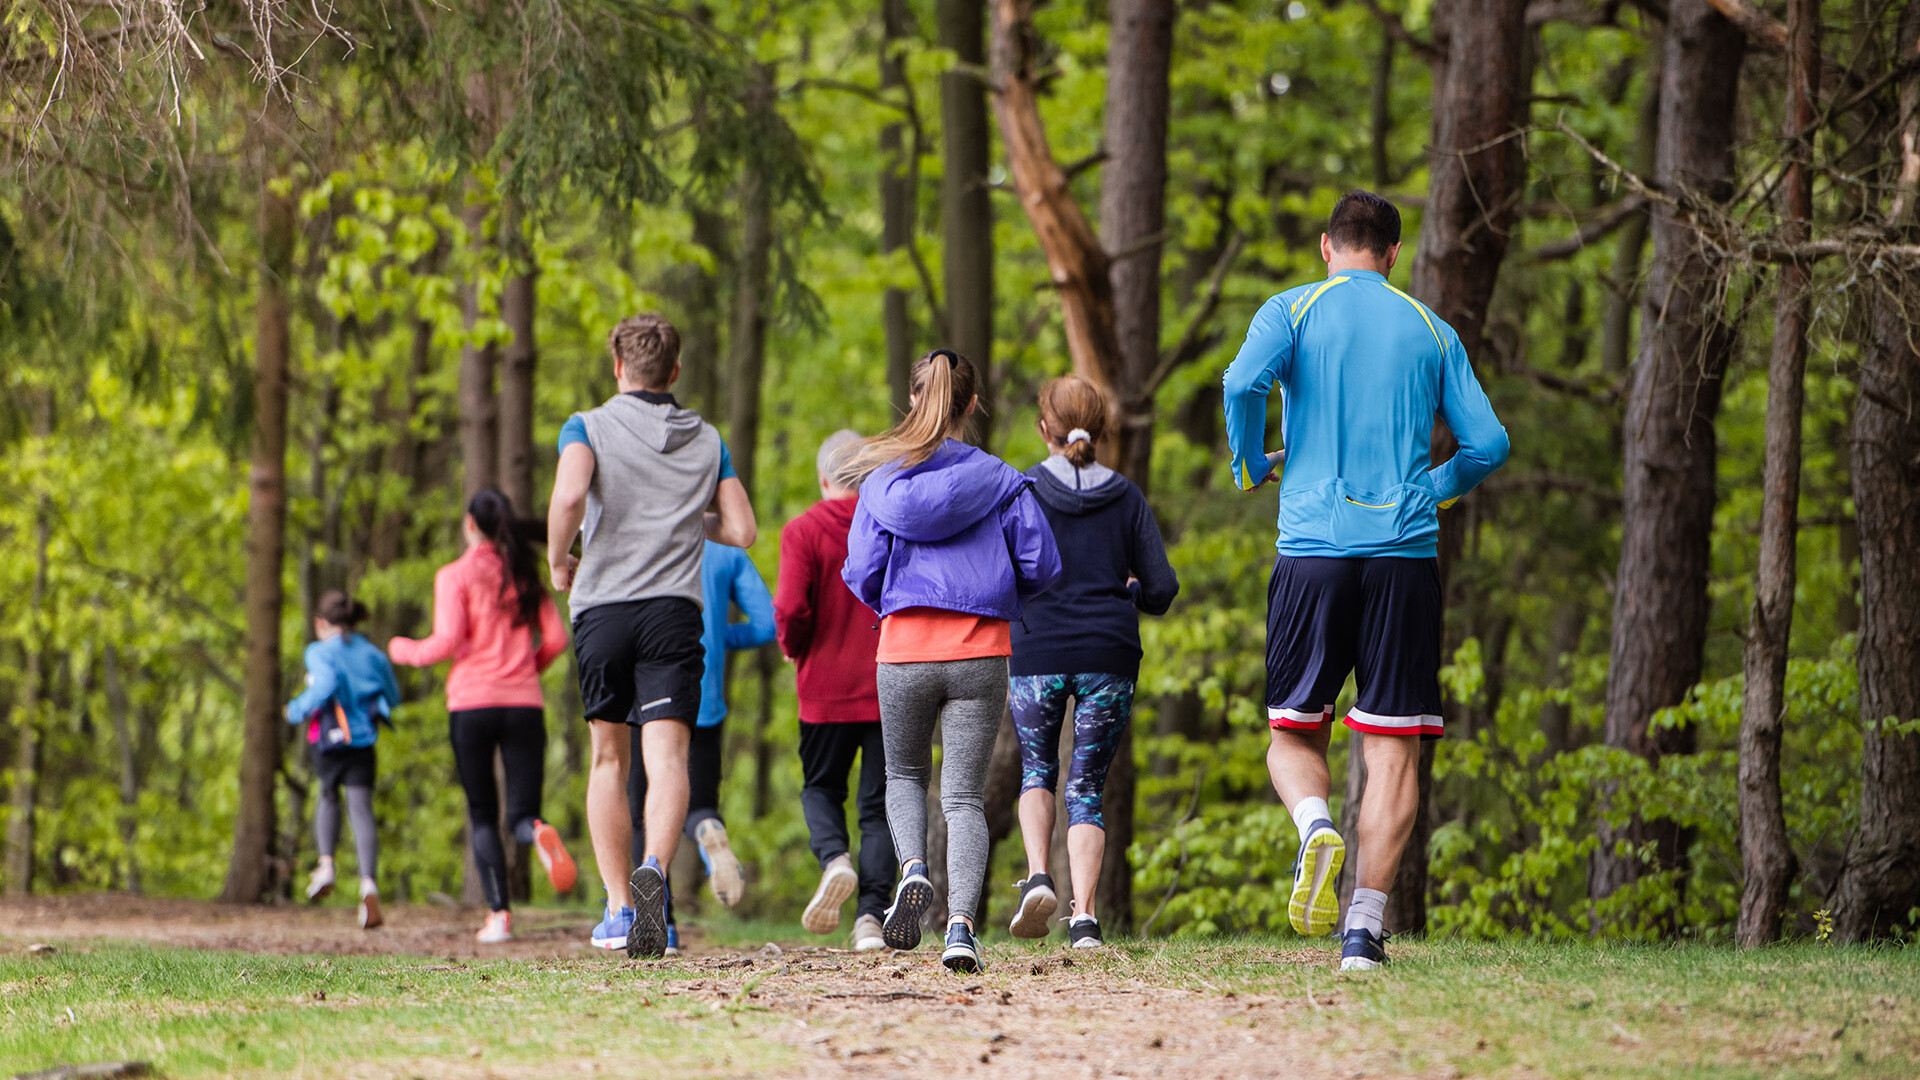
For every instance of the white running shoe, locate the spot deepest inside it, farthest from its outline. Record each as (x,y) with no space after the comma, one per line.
(497,930)
(837,882)
(1034,917)
(729,885)
(319,883)
(866,934)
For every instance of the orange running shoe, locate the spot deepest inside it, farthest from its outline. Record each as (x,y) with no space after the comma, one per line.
(497,930)
(553,856)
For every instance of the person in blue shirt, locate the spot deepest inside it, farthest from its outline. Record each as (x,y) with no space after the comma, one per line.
(1362,369)
(350,691)
(728,580)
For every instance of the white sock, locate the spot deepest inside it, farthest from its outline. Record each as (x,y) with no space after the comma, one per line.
(368,887)
(1368,910)
(1310,810)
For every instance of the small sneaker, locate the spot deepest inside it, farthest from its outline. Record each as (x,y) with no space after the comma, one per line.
(962,954)
(1363,950)
(866,934)
(673,939)
(1314,907)
(615,924)
(497,930)
(319,883)
(837,882)
(1037,905)
(648,935)
(1083,932)
(370,916)
(911,899)
(723,867)
(553,856)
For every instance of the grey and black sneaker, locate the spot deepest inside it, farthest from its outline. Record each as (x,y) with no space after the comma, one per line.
(1083,932)
(1363,950)
(962,954)
(900,929)
(648,937)
(1037,905)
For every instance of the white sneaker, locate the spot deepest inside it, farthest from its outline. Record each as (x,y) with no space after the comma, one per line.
(497,930)
(370,916)
(729,885)
(866,934)
(319,883)
(837,882)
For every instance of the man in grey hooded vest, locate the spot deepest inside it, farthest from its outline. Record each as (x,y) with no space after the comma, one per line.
(635,481)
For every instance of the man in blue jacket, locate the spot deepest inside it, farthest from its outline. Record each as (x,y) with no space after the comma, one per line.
(1363,369)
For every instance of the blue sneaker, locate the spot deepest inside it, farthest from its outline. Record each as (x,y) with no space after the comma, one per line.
(615,925)
(962,954)
(1314,906)
(1363,950)
(673,939)
(901,927)
(648,936)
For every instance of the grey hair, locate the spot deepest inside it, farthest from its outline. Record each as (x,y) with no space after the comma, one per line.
(833,451)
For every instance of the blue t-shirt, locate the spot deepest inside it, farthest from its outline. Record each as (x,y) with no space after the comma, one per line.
(728,579)
(575,431)
(1363,367)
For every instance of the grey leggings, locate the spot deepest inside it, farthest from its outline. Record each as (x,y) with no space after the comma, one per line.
(967,698)
(326,825)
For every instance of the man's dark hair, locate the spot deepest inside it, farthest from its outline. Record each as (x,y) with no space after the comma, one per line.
(1362,219)
(649,346)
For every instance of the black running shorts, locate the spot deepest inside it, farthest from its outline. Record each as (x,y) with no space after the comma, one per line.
(345,766)
(640,660)
(1380,619)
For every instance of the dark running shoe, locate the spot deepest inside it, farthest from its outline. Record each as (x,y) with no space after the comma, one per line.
(648,937)
(962,954)
(1037,904)
(900,929)
(1314,905)
(1363,950)
(1084,933)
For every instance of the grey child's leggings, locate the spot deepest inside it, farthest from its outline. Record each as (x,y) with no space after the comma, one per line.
(968,698)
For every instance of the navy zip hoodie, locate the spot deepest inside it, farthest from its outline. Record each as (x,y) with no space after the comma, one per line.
(1089,622)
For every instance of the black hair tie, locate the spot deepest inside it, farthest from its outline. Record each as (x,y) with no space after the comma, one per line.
(953,358)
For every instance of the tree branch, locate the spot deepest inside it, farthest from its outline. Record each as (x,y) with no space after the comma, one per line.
(1198,337)
(1761,28)
(1595,229)
(1420,46)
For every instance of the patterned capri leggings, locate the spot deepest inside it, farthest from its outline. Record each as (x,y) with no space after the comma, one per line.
(1102,706)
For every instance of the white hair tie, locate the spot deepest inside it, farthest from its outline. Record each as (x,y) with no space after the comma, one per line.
(1078,434)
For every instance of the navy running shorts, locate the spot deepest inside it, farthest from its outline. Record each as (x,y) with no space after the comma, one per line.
(640,660)
(344,766)
(1380,619)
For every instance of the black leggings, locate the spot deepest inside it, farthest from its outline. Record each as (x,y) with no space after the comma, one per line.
(703,781)
(520,734)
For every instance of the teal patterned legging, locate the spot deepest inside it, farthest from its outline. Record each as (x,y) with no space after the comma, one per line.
(1102,706)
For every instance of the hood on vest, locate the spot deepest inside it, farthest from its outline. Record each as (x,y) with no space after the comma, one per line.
(665,428)
(1052,491)
(952,491)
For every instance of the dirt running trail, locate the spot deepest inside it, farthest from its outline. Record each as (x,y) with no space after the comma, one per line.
(1045,1014)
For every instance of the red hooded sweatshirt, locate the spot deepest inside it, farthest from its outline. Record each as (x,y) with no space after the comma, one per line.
(822,626)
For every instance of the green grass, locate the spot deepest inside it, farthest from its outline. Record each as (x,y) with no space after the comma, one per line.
(1467,1009)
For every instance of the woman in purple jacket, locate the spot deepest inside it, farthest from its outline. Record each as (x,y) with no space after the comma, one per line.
(946,544)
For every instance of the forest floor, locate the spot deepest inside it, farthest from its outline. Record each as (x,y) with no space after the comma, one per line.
(211,990)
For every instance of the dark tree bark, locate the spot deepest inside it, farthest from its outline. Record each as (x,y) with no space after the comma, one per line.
(127,754)
(966,209)
(23,799)
(1380,114)
(896,204)
(1765,855)
(1660,604)
(1616,320)
(249,874)
(1478,176)
(517,365)
(749,338)
(1880,883)
(479,406)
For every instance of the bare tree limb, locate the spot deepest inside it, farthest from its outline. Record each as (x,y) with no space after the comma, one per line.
(1595,229)
(1761,28)
(1199,336)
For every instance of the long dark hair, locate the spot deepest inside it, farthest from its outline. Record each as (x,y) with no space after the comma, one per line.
(492,512)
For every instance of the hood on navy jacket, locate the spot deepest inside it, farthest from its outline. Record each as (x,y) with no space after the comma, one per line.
(958,532)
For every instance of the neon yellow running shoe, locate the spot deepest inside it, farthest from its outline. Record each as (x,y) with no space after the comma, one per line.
(1314,907)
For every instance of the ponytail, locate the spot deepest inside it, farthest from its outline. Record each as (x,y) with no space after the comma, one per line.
(944,385)
(1076,414)
(340,609)
(520,586)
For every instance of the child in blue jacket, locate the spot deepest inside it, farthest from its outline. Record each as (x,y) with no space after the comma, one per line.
(350,690)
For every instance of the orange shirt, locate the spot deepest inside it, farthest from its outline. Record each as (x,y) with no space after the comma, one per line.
(917,635)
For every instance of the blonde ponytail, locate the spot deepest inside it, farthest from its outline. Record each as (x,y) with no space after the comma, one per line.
(944,384)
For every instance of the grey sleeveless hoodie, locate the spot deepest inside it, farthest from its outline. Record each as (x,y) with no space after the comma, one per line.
(655,470)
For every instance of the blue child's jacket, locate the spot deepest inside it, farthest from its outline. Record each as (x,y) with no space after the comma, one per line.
(351,672)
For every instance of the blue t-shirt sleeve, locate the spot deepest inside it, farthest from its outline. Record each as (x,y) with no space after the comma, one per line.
(726,458)
(575,431)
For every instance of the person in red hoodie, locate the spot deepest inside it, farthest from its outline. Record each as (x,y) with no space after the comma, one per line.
(495,621)
(833,638)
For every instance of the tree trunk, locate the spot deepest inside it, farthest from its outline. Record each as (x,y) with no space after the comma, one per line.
(516,370)
(23,800)
(966,208)
(896,203)
(249,874)
(1765,855)
(1380,113)
(748,363)
(1477,179)
(1616,320)
(479,407)
(1879,886)
(120,708)
(1660,604)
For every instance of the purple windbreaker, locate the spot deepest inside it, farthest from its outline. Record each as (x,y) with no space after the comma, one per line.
(960,532)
